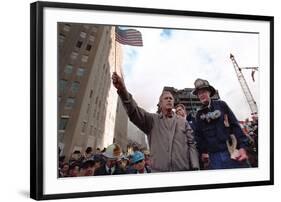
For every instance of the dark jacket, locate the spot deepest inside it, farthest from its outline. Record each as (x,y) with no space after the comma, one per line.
(192,121)
(131,170)
(102,171)
(211,136)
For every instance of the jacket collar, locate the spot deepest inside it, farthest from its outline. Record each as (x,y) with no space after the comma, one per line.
(207,106)
(161,115)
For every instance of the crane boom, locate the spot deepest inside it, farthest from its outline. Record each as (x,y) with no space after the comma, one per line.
(249,97)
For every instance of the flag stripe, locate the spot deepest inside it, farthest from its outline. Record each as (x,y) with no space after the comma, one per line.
(128,40)
(132,40)
(128,37)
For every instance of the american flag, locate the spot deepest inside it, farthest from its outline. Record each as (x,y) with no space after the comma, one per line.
(130,37)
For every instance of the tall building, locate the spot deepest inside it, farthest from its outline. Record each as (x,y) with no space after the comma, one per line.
(185,96)
(137,136)
(121,124)
(87,100)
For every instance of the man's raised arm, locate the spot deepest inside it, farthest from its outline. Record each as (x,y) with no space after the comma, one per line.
(141,118)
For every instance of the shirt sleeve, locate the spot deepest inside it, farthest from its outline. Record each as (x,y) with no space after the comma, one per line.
(192,149)
(141,118)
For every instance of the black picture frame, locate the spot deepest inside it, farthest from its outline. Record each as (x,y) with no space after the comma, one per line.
(37,97)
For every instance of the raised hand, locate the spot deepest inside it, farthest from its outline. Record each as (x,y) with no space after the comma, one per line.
(118,82)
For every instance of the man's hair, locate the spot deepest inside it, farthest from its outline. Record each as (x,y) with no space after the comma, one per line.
(73,165)
(76,152)
(163,93)
(87,164)
(160,99)
(88,150)
(180,105)
(61,158)
(64,164)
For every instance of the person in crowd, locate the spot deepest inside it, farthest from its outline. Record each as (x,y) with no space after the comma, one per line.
(112,154)
(147,159)
(218,134)
(63,172)
(76,157)
(74,170)
(99,161)
(88,154)
(87,168)
(98,151)
(61,161)
(180,111)
(250,129)
(138,163)
(170,138)
(123,163)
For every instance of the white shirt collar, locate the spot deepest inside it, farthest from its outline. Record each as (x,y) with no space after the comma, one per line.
(107,169)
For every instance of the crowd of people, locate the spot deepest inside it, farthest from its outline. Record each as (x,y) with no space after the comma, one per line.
(250,128)
(213,139)
(110,161)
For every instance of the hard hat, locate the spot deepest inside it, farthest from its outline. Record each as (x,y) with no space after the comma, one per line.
(203,84)
(137,156)
(113,151)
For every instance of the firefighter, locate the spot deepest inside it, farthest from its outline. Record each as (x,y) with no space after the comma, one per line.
(220,139)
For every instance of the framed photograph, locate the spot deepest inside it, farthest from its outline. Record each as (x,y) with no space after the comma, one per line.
(128,100)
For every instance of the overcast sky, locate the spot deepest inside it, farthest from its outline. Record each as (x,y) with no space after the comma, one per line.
(178,57)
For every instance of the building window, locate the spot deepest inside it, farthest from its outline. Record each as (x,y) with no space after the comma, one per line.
(68,69)
(96,100)
(69,103)
(95,111)
(92,38)
(66,27)
(91,93)
(88,108)
(74,55)
(62,85)
(84,125)
(83,35)
(80,72)
(91,130)
(88,47)
(84,58)
(98,115)
(63,123)
(86,26)
(75,86)
(61,38)
(96,132)
(94,29)
(59,99)
(79,44)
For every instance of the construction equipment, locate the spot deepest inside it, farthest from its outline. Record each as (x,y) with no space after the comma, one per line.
(249,97)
